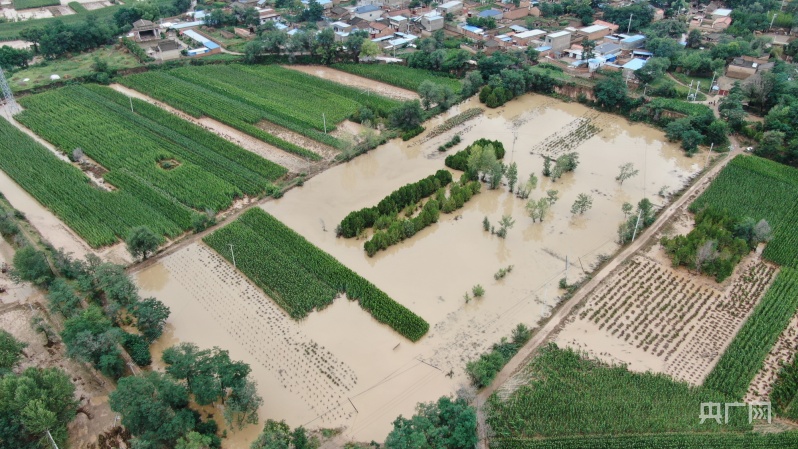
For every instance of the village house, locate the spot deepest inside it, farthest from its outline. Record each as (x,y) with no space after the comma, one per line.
(145,30)
(368,12)
(452,7)
(558,41)
(432,21)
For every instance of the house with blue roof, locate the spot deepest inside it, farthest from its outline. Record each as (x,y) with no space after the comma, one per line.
(491,13)
(368,12)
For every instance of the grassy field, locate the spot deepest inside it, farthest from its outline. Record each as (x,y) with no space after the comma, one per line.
(27,4)
(67,68)
(398,75)
(761,189)
(299,276)
(241,96)
(169,164)
(10,30)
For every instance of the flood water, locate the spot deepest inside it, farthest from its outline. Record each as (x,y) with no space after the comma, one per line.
(339,367)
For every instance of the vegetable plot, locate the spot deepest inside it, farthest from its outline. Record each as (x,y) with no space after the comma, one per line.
(299,276)
(399,75)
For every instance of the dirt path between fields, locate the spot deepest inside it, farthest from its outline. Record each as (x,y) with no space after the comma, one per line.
(347,79)
(546,332)
(294,163)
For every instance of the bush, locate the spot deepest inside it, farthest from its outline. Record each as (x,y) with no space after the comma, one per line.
(459,160)
(138,349)
(31,265)
(409,134)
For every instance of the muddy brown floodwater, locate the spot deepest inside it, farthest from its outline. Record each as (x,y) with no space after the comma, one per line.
(339,367)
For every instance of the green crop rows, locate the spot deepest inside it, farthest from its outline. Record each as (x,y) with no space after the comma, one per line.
(399,75)
(27,4)
(299,276)
(206,172)
(569,395)
(241,96)
(748,440)
(99,217)
(746,353)
(761,189)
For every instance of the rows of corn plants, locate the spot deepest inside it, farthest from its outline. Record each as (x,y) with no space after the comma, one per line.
(785,390)
(99,217)
(199,102)
(199,174)
(729,440)
(27,4)
(745,355)
(299,276)
(399,75)
(750,186)
(569,395)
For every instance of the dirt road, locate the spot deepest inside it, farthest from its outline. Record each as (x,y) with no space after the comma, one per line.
(543,335)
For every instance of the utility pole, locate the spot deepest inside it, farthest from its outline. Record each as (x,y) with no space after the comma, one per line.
(234,256)
(637,223)
(566,269)
(712,83)
(689,89)
(131,102)
(771,21)
(324,117)
(712,145)
(51,439)
(630,24)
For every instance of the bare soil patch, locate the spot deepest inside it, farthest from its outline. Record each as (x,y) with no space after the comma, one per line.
(338,76)
(297,139)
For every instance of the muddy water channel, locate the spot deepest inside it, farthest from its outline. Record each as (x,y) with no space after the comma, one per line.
(339,367)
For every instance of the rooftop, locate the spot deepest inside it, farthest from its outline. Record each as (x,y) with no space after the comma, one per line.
(636,38)
(366,8)
(209,44)
(721,12)
(451,4)
(635,64)
(490,13)
(529,33)
(559,34)
(607,47)
(593,29)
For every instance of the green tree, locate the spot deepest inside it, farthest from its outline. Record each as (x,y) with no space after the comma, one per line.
(241,408)
(369,49)
(448,423)
(694,39)
(582,204)
(142,242)
(31,265)
(611,92)
(151,316)
(90,337)
(31,403)
(10,351)
(653,70)
(407,116)
(512,176)
(275,435)
(626,209)
(194,440)
(552,196)
(430,93)
(627,171)
(313,13)
(62,298)
(153,408)
(210,375)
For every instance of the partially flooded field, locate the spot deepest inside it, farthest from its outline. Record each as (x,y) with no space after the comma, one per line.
(339,367)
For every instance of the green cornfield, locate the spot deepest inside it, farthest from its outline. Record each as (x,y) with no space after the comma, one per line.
(242,96)
(748,440)
(299,276)
(27,4)
(399,75)
(746,353)
(569,395)
(164,169)
(202,171)
(750,186)
(99,217)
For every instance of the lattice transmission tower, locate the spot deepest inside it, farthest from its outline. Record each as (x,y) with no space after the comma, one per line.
(8,97)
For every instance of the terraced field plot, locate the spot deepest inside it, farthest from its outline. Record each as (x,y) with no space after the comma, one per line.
(164,169)
(242,96)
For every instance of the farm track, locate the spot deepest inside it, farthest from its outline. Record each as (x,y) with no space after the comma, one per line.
(544,334)
(292,162)
(359,82)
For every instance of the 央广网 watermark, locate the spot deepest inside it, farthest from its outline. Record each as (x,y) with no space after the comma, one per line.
(757,410)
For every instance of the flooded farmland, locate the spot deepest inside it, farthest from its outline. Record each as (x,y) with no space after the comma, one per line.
(341,368)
